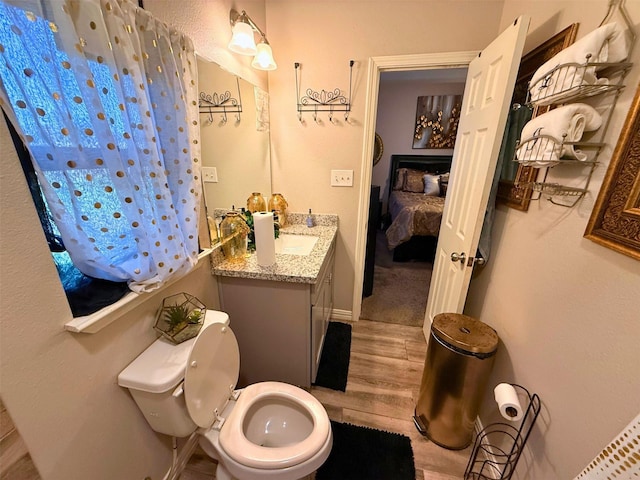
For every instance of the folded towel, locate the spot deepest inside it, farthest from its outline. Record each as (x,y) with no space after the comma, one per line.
(608,43)
(541,140)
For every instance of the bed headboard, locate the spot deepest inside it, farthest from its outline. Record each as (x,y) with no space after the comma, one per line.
(428,163)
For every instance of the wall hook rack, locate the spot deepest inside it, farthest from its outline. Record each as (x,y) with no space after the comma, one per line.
(222,103)
(331,101)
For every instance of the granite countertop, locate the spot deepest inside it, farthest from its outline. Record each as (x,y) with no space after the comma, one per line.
(288,268)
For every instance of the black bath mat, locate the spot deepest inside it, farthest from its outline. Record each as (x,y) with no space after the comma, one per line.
(361,453)
(334,361)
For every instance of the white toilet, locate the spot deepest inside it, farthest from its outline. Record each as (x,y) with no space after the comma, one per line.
(267,430)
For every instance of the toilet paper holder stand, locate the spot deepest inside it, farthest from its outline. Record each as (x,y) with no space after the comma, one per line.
(498,446)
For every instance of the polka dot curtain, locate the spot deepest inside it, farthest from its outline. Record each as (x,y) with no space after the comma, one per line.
(104,96)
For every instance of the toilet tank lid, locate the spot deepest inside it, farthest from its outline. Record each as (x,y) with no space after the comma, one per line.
(162,365)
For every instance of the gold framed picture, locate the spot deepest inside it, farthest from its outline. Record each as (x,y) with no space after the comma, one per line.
(615,219)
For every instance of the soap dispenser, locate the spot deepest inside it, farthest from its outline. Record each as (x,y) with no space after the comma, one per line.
(309,219)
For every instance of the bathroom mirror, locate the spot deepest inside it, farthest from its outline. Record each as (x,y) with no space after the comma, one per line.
(238,147)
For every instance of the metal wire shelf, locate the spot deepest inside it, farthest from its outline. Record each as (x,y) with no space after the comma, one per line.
(554,189)
(546,151)
(566,83)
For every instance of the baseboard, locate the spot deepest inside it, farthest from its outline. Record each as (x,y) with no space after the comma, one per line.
(344,315)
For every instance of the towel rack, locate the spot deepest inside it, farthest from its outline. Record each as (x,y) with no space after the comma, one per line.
(566,74)
(554,192)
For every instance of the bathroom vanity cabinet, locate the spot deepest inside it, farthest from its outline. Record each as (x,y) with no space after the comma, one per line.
(280,325)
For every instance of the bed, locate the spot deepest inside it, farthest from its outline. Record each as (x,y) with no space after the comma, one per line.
(417,189)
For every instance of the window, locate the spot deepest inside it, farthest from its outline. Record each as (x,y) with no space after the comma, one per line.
(103,96)
(85,294)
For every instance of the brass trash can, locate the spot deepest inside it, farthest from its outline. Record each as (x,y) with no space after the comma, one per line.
(459,359)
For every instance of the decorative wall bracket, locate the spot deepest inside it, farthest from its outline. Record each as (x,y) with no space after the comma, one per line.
(222,103)
(331,101)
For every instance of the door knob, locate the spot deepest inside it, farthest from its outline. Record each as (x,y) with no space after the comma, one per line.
(458,257)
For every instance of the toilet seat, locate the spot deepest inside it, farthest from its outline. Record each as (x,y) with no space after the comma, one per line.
(239,447)
(210,378)
(211,373)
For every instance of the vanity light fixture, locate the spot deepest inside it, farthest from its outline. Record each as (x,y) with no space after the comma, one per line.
(243,41)
(264,58)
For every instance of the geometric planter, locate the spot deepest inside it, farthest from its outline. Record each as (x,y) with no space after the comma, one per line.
(180,317)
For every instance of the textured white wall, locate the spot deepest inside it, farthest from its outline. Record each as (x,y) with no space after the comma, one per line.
(565,308)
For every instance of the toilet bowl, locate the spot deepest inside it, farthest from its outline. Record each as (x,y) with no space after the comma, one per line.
(267,430)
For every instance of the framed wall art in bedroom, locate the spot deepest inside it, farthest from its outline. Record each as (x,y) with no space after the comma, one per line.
(437,118)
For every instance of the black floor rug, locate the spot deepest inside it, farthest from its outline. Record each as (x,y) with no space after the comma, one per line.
(334,361)
(360,453)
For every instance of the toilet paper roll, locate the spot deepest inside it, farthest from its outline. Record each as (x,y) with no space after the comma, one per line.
(508,403)
(265,238)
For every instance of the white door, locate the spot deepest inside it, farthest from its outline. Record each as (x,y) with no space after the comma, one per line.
(485,106)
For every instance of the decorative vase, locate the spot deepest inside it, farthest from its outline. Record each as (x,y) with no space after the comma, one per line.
(234,231)
(180,317)
(278,204)
(256,203)
(213,230)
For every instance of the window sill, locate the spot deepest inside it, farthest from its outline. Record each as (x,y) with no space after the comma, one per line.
(97,321)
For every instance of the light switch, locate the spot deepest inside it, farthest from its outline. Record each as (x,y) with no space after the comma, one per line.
(342,178)
(210,174)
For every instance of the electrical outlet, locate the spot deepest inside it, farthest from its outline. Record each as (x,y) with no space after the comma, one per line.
(210,174)
(342,178)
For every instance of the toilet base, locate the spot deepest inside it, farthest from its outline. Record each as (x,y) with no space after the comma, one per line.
(223,474)
(210,444)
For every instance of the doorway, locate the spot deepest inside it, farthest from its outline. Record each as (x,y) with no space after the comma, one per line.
(377,66)
(398,269)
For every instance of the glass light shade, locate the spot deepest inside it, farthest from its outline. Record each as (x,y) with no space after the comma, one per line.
(242,41)
(264,58)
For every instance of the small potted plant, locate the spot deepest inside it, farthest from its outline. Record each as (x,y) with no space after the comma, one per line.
(180,317)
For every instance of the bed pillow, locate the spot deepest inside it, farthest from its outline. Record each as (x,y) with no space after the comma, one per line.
(444,184)
(414,181)
(401,175)
(431,185)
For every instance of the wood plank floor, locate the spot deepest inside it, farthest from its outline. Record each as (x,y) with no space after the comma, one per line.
(15,461)
(382,389)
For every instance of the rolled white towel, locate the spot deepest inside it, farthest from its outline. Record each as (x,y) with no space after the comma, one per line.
(541,140)
(608,43)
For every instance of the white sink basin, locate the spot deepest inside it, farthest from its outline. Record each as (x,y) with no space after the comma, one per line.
(295,244)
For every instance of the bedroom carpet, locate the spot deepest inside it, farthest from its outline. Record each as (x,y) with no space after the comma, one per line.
(362,453)
(399,296)
(400,290)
